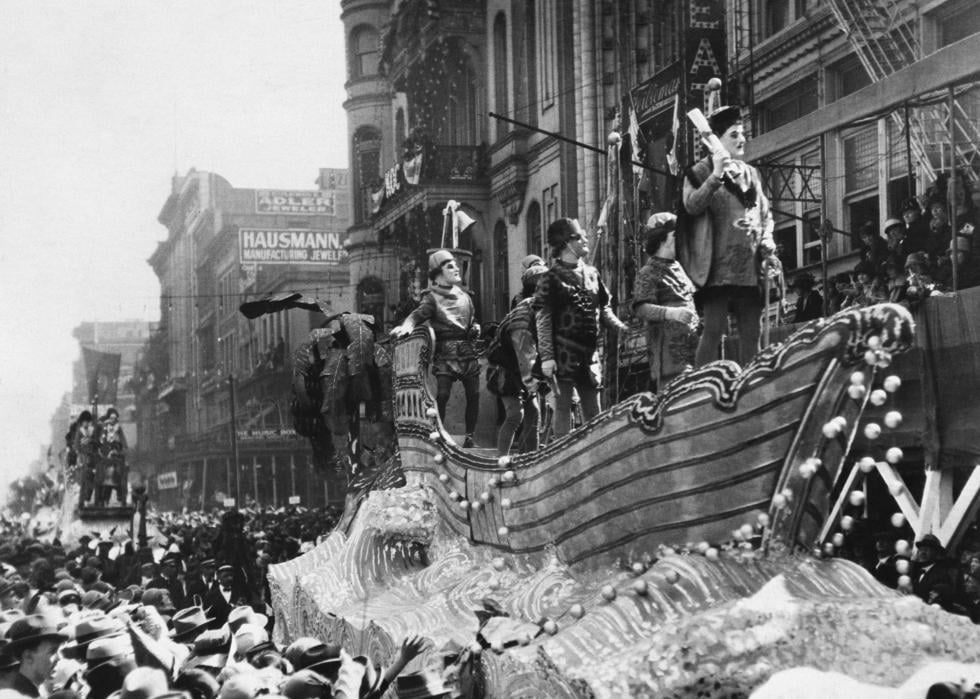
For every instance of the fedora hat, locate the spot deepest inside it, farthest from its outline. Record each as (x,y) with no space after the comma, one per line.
(144,683)
(296,649)
(93,599)
(306,684)
(212,641)
(111,650)
(419,685)
(930,540)
(245,615)
(31,629)
(187,622)
(88,630)
(322,657)
(159,598)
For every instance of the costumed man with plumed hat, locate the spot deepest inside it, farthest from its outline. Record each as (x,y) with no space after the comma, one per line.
(451,312)
(728,193)
(572,304)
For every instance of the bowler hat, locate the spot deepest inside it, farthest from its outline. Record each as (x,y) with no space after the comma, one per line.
(188,622)
(30,630)
(307,684)
(88,630)
(930,540)
(723,118)
(111,650)
(322,657)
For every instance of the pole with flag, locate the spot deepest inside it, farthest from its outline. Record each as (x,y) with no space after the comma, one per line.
(102,375)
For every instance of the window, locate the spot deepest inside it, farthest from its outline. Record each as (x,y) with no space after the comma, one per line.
(367,170)
(399,130)
(535,240)
(464,107)
(547,52)
(789,104)
(500,94)
(666,33)
(861,176)
(364,52)
(371,299)
(797,239)
(500,270)
(848,76)
(779,14)
(960,25)
(531,62)
(550,198)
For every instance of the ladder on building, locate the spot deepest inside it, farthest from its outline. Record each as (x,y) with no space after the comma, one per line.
(884,35)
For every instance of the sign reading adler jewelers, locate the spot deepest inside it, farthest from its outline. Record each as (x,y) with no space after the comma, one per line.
(281,201)
(289,246)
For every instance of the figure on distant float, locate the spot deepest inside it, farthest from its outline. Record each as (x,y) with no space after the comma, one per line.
(113,452)
(572,304)
(514,355)
(663,298)
(86,448)
(728,192)
(451,312)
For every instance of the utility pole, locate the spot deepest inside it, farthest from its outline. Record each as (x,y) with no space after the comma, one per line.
(234,440)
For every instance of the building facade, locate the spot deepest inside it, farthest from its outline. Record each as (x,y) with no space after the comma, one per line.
(216,383)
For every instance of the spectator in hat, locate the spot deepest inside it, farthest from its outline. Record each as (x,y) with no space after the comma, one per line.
(306,684)
(870,289)
(188,623)
(809,302)
(895,280)
(108,660)
(150,577)
(938,232)
(33,641)
(528,282)
(451,312)
(843,294)
(873,249)
(896,241)
(916,228)
(729,192)
(227,595)
(933,579)
(515,368)
(202,580)
(199,684)
(170,572)
(883,567)
(572,305)
(144,683)
(967,262)
(663,299)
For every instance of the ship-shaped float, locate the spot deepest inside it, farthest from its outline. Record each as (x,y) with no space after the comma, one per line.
(580,544)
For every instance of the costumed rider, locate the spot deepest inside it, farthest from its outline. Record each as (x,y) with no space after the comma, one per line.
(513,356)
(735,240)
(663,298)
(450,310)
(571,304)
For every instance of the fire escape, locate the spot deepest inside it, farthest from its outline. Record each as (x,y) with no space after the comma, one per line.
(884,35)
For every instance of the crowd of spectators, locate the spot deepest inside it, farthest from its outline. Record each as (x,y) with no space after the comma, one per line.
(185,617)
(909,259)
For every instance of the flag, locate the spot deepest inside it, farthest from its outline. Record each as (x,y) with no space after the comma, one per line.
(102,373)
(675,126)
(637,151)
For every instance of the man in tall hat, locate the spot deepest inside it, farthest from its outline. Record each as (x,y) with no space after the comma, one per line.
(728,192)
(572,304)
(451,312)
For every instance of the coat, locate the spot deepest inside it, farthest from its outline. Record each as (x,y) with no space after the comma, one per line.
(670,345)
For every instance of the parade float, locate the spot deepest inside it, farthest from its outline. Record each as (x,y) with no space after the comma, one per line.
(679,544)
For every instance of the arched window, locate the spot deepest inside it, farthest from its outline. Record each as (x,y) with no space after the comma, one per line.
(399,129)
(501,278)
(371,299)
(531,61)
(364,55)
(535,240)
(464,105)
(367,170)
(500,92)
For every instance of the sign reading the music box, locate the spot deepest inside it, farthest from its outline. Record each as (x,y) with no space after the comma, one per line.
(289,246)
(308,203)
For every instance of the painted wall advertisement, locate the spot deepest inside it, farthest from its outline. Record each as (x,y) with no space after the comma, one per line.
(167,481)
(309,203)
(289,246)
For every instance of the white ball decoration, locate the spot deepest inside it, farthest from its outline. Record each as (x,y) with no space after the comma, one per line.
(508,477)
(891,383)
(809,467)
(640,587)
(550,627)
(438,458)
(838,539)
(831,429)
(464,505)
(904,583)
(505,503)
(871,357)
(828,549)
(614,139)
(779,501)
(714,84)
(898,520)
(856,392)
(493,482)
(476,505)
(431,412)
(608,593)
(902,566)
(434,435)
(884,360)
(484,497)
(702,547)
(857,378)
(763,519)
(874,342)
(856,498)
(503,531)
(638,568)
(747,531)
(737,535)
(577,611)
(499,564)
(902,547)
(711,554)
(443,478)
(475,648)
(894,455)
(503,461)
(672,576)
(896,489)
(872,430)
(892,419)
(866,464)
(788,494)
(453,495)
(847,523)
(878,397)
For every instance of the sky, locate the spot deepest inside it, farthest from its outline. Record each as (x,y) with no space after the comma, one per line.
(101,102)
